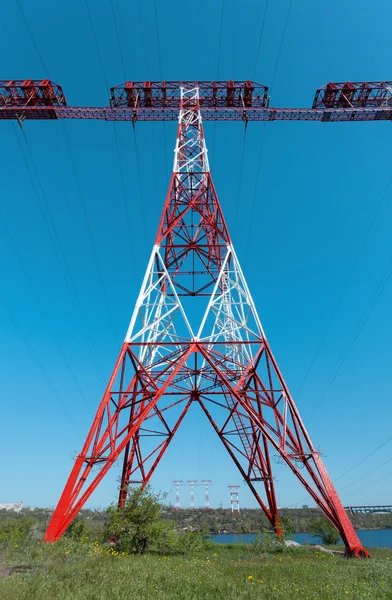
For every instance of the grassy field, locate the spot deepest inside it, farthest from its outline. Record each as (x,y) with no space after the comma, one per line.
(72,570)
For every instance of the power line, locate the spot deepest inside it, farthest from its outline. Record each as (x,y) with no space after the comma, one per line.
(10,35)
(252,211)
(96,43)
(235,36)
(161,76)
(253,206)
(142,34)
(240,180)
(33,39)
(354,467)
(217,76)
(365,458)
(364,476)
(358,328)
(371,483)
(114,126)
(260,38)
(281,45)
(50,224)
(140,184)
(36,359)
(43,310)
(157,32)
(345,286)
(35,169)
(261,144)
(220,39)
(73,296)
(118,39)
(353,337)
(73,164)
(153,130)
(59,253)
(128,219)
(90,233)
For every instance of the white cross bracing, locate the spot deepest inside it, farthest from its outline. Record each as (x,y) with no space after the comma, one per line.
(230,313)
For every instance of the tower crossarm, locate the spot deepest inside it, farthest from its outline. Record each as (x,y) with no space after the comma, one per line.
(218,101)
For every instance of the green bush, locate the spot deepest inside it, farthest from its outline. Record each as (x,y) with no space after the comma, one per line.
(324,530)
(84,529)
(267,543)
(14,530)
(287,525)
(139,526)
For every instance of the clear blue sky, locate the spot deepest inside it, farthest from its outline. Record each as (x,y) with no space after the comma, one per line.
(314,197)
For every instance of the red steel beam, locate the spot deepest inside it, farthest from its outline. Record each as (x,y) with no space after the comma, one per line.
(104,113)
(219,101)
(363,94)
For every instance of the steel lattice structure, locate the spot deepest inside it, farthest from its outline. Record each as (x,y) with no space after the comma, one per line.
(195,337)
(219,101)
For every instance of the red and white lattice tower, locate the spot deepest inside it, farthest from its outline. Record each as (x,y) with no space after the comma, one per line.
(192,496)
(195,338)
(207,483)
(234,498)
(177,505)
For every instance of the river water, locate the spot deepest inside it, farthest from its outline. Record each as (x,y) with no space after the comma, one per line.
(370,538)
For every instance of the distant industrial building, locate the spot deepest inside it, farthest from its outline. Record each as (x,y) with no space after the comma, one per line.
(15,506)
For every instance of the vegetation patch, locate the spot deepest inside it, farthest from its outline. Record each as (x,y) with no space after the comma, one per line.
(138,553)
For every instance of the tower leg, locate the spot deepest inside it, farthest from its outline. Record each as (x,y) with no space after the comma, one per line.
(286,434)
(270,508)
(108,436)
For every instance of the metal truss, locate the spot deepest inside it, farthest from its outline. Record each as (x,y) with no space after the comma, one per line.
(218,101)
(195,338)
(208,114)
(363,94)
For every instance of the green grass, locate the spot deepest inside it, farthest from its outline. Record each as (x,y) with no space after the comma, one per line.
(74,571)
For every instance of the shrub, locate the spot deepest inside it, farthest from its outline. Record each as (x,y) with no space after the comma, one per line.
(82,529)
(265,543)
(287,525)
(14,530)
(139,526)
(324,530)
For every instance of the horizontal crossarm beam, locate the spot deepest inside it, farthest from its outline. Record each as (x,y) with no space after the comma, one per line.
(104,113)
(217,101)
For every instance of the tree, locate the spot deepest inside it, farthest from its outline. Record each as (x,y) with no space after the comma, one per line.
(139,525)
(324,530)
(287,525)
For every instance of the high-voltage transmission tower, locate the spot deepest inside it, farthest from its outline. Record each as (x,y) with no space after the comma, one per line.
(178,482)
(195,335)
(207,483)
(192,483)
(234,498)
